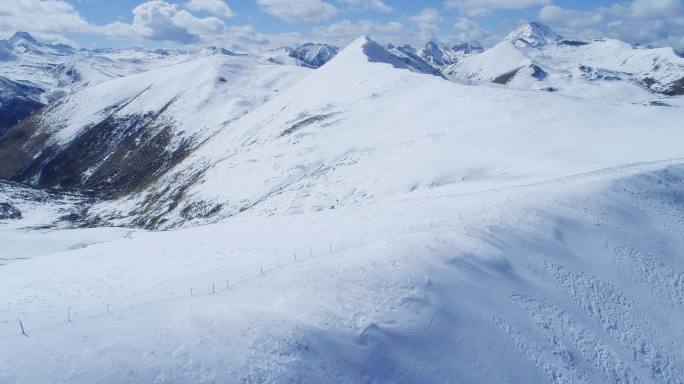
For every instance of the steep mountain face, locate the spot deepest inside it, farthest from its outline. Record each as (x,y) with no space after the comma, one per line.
(17,101)
(120,135)
(314,55)
(533,34)
(337,139)
(468,48)
(534,57)
(435,56)
(440,56)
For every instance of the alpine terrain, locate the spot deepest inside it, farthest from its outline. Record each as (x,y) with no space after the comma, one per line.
(377,213)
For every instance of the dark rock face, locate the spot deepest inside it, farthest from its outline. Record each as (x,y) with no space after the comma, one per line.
(593,74)
(572,43)
(469,48)
(539,73)
(14,110)
(17,101)
(9,212)
(506,77)
(116,156)
(676,88)
(314,55)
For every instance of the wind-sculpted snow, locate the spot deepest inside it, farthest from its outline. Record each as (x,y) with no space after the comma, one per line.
(511,284)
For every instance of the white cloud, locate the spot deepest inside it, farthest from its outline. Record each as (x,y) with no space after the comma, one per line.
(427,20)
(294,11)
(364,5)
(159,20)
(471,30)
(570,18)
(163,21)
(654,9)
(342,32)
(648,22)
(477,8)
(216,7)
(47,19)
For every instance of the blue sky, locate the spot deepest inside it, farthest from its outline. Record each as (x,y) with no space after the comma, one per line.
(242,23)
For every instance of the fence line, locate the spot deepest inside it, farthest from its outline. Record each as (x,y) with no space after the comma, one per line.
(111,310)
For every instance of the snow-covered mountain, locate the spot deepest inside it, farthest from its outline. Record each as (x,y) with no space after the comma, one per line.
(439,56)
(314,55)
(118,135)
(304,149)
(36,73)
(308,55)
(601,68)
(533,34)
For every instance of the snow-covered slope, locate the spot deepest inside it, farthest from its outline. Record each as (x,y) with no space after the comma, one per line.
(337,138)
(572,280)
(120,134)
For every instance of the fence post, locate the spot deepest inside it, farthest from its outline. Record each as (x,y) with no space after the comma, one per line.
(295,257)
(191,292)
(213,288)
(22,329)
(261,270)
(69,314)
(227,285)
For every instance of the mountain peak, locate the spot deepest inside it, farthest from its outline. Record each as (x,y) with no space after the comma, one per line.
(533,34)
(468,47)
(366,49)
(23,36)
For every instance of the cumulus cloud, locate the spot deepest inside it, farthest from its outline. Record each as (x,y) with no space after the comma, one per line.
(342,32)
(570,18)
(363,5)
(427,20)
(48,19)
(471,30)
(655,9)
(477,8)
(295,11)
(647,22)
(162,21)
(216,7)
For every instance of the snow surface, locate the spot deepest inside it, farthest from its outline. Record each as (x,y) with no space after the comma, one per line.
(375,224)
